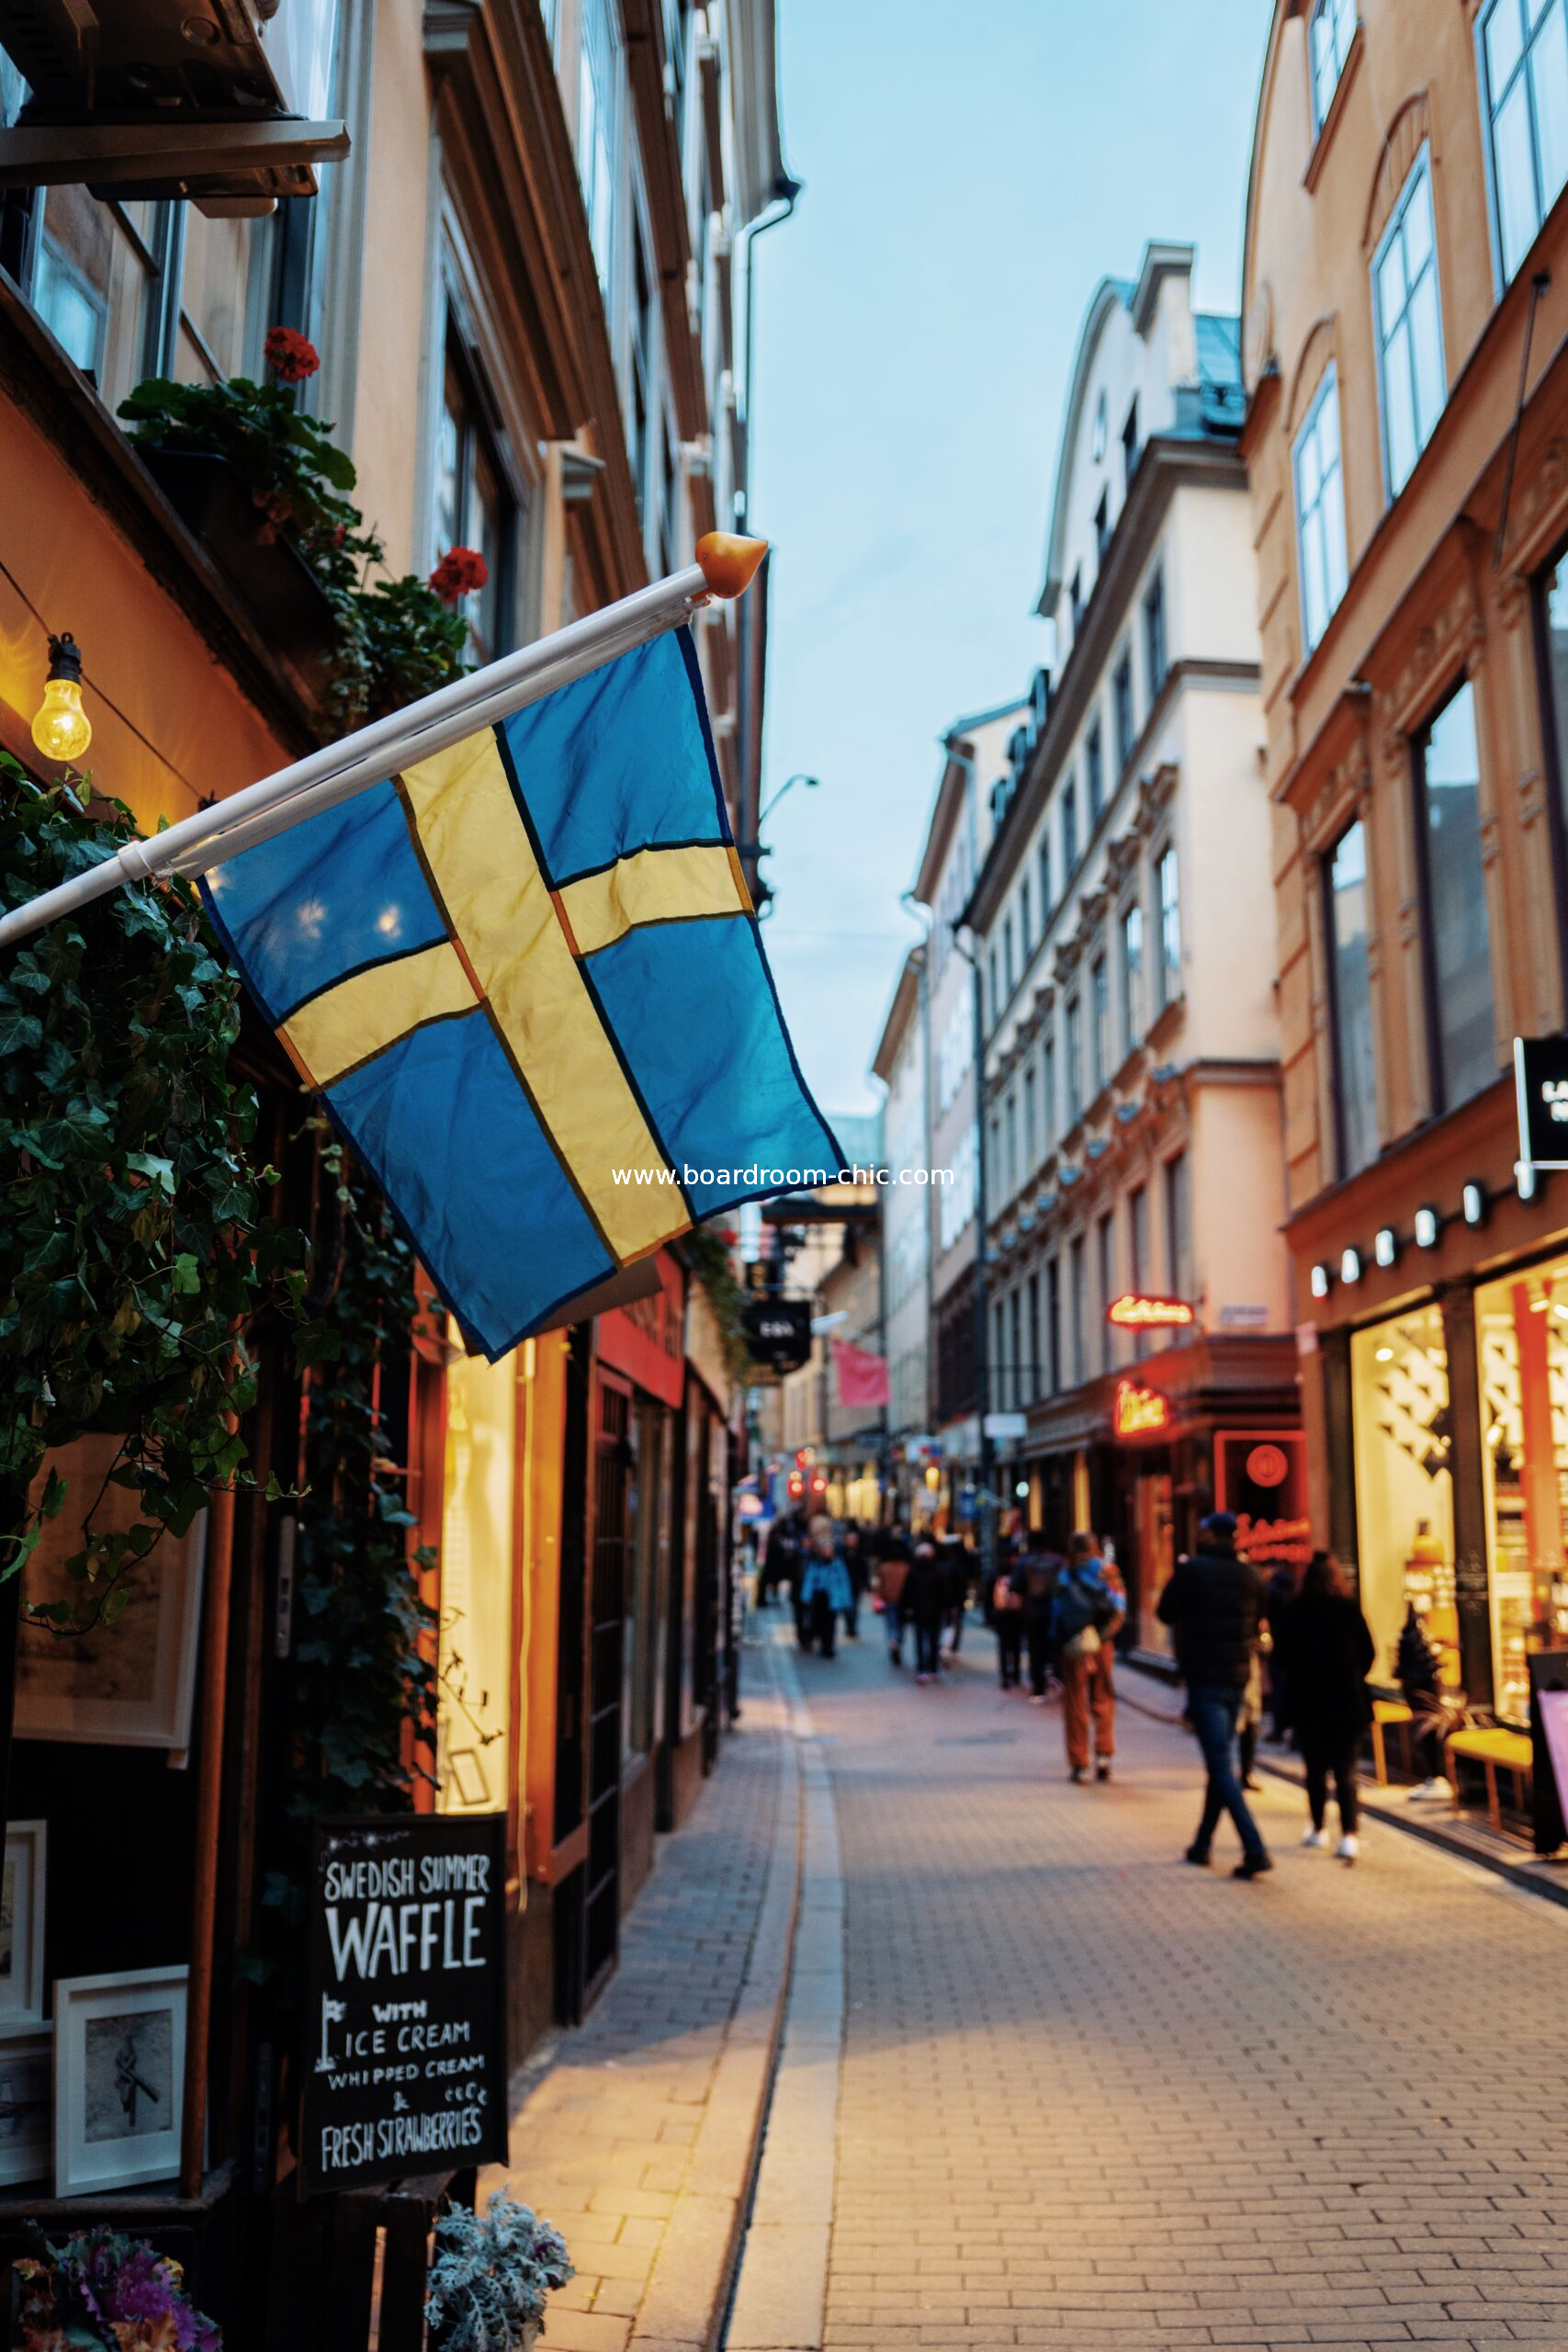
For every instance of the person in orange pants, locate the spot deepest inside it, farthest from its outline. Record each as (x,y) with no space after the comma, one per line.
(1090,1603)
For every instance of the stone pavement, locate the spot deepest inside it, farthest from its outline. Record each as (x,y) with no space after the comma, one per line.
(1091,2097)
(636,2132)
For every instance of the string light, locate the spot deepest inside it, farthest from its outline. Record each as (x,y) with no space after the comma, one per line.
(62,728)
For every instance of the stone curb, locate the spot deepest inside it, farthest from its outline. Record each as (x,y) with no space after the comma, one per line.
(689,2288)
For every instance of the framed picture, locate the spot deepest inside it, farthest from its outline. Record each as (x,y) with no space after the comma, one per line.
(21,1927)
(26,2142)
(130,1684)
(119,2058)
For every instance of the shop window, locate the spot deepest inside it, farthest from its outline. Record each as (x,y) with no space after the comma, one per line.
(1411,379)
(1458,932)
(1405,1522)
(473,506)
(1521,1328)
(1355,1077)
(1524,74)
(1320,512)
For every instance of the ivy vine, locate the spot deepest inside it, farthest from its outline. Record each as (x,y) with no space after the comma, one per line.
(133,1246)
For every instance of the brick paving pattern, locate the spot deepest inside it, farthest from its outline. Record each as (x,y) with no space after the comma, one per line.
(603,2142)
(1090,2096)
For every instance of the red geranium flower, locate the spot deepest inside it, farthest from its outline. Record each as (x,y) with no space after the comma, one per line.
(291,355)
(459,570)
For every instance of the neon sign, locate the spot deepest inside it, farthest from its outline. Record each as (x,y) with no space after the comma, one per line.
(1138,1311)
(1139,1412)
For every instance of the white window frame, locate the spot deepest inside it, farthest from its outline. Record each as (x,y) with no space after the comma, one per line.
(1340,19)
(1396,337)
(1316,516)
(1550,20)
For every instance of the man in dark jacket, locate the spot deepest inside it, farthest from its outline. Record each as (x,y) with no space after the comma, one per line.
(1214,1605)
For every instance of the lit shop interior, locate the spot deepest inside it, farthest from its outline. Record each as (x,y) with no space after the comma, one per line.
(1404,1485)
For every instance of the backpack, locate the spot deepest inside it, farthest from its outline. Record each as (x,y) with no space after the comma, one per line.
(1077,1605)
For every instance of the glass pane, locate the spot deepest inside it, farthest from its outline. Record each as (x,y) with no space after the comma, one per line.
(1314,590)
(1426,347)
(1461,947)
(1309,472)
(1549,71)
(1522,1332)
(1505,44)
(224,262)
(94,284)
(1399,408)
(1399,1390)
(1391,284)
(1355,1072)
(1515,175)
(1334,562)
(1417,224)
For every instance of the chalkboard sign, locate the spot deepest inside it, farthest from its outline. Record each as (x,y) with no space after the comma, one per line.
(405,2057)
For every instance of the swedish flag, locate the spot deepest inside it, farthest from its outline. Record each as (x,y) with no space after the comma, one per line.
(526,979)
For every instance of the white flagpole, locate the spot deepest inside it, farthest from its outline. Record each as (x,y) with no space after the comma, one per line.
(724,568)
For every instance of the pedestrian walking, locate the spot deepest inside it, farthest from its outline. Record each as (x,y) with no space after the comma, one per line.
(955,1559)
(1212,1604)
(1420,1672)
(859,1571)
(1327,1652)
(1004,1611)
(1088,1607)
(925,1601)
(1035,1577)
(823,1593)
(891,1573)
(781,1558)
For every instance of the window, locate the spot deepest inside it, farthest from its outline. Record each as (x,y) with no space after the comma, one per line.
(1554,670)
(1075,1063)
(1075,598)
(996,989)
(999,1355)
(1350,1001)
(1169,929)
(1099,998)
(1094,769)
(1054,1327)
(1010,1177)
(1103,526)
(1122,705)
(1103,1275)
(1009,977)
(1069,830)
(1016,1391)
(1031,1380)
(1076,1307)
(1030,1135)
(1047,897)
(1177,1226)
(1458,936)
(596,129)
(1154,633)
(473,506)
(1524,52)
(993,1168)
(1048,1093)
(640,389)
(1410,328)
(1024,925)
(1333,30)
(1138,1268)
(1320,512)
(1131,449)
(1132,977)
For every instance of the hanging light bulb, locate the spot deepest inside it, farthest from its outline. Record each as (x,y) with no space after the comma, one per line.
(62,730)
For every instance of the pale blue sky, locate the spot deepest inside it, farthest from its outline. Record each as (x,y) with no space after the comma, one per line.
(971,172)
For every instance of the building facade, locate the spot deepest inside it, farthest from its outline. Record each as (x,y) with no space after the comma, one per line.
(902,1063)
(974,755)
(1131,1094)
(526,283)
(1405,321)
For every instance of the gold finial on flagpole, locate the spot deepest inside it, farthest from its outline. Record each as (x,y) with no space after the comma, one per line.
(729,563)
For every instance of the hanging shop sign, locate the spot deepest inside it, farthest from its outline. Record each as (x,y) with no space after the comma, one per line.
(777,1332)
(1139,1411)
(1138,1310)
(405,2070)
(1540,1082)
(1260,1477)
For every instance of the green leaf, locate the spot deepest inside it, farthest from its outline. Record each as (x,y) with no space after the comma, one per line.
(187,1276)
(159,1172)
(316,1343)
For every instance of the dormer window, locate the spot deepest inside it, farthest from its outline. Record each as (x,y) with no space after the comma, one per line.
(1330,33)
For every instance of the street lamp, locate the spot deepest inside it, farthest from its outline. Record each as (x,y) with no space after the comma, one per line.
(757,849)
(810,781)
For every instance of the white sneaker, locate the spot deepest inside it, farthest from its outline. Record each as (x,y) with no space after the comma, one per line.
(1347,1850)
(1427,1789)
(1315,1837)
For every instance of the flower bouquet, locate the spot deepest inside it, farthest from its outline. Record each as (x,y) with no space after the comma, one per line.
(111,2293)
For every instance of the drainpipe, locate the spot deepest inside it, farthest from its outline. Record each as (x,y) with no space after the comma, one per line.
(786,194)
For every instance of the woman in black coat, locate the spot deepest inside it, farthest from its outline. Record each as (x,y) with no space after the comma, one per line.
(1326,1651)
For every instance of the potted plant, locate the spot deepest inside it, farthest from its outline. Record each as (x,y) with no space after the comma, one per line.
(264,487)
(491,2278)
(103,2289)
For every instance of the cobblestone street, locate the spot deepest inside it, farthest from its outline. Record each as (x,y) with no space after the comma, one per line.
(1089,2095)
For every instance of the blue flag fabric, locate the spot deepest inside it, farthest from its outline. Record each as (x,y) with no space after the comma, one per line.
(526,979)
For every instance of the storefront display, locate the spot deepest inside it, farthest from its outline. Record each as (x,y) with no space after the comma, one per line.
(1399,1386)
(1521,1325)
